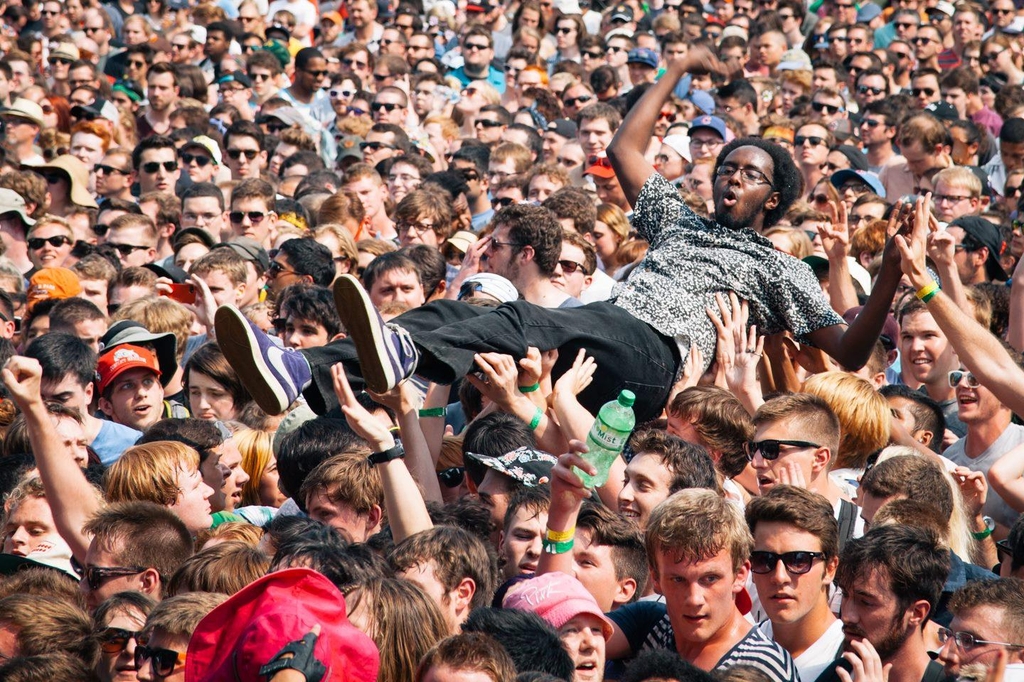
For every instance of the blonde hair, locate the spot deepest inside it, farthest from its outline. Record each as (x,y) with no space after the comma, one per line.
(487,91)
(179,616)
(50,219)
(159,315)
(959,177)
(798,243)
(231,531)
(449,128)
(694,525)
(616,220)
(224,568)
(257,453)
(150,473)
(865,421)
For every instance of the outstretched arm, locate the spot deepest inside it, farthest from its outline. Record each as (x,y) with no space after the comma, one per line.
(72,500)
(626,151)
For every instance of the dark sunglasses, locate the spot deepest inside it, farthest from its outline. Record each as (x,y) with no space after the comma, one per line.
(56,241)
(453,477)
(386,106)
(154,166)
(927,92)
(569,267)
(374,146)
(821,107)
(316,74)
(275,128)
(109,170)
(115,640)
(799,140)
(797,563)
(255,217)
(235,154)
(59,60)
(163,660)
(127,250)
(600,161)
(502,202)
(200,159)
(864,90)
(95,576)
(770,449)
(487,123)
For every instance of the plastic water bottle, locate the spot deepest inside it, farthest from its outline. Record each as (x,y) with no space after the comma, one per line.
(607,437)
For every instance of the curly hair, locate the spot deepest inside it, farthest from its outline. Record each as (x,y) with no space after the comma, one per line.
(787,178)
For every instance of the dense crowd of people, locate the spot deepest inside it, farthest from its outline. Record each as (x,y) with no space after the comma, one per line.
(308,310)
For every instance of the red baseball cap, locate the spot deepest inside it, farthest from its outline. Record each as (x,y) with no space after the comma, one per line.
(599,165)
(120,359)
(244,633)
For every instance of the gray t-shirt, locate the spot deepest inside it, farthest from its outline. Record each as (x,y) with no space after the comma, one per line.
(691,259)
(995,506)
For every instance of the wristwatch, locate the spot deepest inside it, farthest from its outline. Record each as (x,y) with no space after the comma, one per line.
(396,452)
(990,525)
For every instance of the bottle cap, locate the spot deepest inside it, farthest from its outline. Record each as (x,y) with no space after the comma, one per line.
(627,398)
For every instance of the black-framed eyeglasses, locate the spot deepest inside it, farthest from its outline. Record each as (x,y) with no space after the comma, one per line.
(958,375)
(454,476)
(967,641)
(164,661)
(749,175)
(95,576)
(127,249)
(56,241)
(115,640)
(1003,549)
(502,202)
(770,449)
(797,563)
(418,228)
(255,217)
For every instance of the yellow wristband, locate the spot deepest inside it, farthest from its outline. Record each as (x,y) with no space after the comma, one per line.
(561,536)
(928,290)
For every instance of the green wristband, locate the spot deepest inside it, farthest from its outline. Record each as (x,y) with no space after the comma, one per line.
(537,416)
(529,389)
(929,296)
(434,412)
(556,547)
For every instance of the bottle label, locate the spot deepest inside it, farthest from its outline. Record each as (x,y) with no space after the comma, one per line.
(607,437)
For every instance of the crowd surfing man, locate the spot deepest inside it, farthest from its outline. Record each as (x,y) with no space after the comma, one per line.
(306,311)
(654,320)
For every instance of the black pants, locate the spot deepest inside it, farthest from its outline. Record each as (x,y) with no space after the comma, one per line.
(629,353)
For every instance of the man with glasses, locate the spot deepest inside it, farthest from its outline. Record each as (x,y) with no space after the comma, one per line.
(828,107)
(306,92)
(236,89)
(988,617)
(161,654)
(201,158)
(758,184)
(927,46)
(989,437)
(390,106)
(156,162)
(477,46)
(796,440)
(115,175)
(795,557)
(187,46)
(98,28)
(576,265)
(263,69)
(253,213)
(243,147)
(384,141)
(135,238)
(871,85)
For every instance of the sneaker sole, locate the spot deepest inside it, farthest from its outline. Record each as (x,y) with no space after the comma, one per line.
(360,320)
(239,345)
